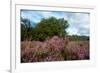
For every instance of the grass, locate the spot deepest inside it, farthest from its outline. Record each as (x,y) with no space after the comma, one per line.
(54,50)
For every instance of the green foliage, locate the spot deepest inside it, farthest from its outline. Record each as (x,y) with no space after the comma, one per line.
(46,28)
(78,38)
(26,29)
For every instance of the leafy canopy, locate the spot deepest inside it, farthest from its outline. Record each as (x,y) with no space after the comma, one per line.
(46,28)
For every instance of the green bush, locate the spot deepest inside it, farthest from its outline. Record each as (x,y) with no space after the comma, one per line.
(50,27)
(46,28)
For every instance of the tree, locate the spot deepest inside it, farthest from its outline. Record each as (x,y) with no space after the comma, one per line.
(26,29)
(49,27)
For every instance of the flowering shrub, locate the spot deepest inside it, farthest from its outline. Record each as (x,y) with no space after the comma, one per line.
(53,49)
(79,52)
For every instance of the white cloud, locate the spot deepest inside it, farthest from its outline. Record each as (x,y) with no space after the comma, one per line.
(79,22)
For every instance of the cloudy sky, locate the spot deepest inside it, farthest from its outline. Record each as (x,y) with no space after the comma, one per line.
(79,22)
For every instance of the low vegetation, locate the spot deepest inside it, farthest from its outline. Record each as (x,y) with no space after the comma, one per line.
(54,49)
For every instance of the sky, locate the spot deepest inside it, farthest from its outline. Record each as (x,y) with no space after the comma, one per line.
(78,22)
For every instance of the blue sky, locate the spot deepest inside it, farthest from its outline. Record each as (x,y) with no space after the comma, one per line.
(79,22)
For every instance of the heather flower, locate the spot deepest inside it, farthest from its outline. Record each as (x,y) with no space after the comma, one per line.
(52,49)
(81,52)
(56,43)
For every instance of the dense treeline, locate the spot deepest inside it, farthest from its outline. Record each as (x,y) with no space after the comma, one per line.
(78,38)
